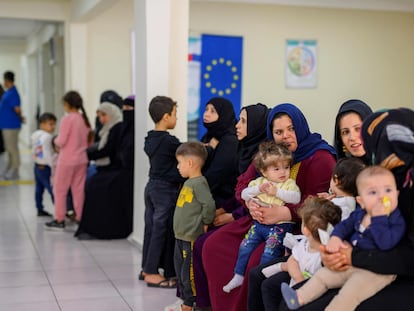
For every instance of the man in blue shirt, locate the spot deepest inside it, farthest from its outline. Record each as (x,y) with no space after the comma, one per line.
(10,122)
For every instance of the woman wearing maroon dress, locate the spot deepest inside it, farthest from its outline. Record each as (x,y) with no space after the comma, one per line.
(314,160)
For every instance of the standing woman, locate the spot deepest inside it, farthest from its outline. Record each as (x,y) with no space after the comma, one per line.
(348,123)
(73,139)
(313,160)
(250,131)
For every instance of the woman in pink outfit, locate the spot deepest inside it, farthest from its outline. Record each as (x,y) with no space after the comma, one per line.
(73,139)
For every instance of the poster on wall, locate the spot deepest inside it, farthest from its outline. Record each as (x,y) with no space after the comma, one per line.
(301,64)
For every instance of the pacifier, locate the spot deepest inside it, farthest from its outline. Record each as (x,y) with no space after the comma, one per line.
(387,205)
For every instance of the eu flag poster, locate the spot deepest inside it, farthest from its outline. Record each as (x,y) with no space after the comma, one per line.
(221,72)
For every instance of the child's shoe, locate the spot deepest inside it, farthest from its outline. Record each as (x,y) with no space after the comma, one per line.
(290,296)
(43,213)
(55,225)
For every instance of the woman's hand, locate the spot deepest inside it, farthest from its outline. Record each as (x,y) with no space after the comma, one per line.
(223,219)
(338,261)
(213,143)
(271,215)
(254,207)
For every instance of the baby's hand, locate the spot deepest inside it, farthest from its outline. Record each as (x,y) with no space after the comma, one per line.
(268,188)
(384,207)
(335,244)
(325,195)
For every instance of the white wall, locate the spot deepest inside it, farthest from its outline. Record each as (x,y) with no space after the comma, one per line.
(109,53)
(362,54)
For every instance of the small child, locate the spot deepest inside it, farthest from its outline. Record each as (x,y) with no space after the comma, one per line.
(43,154)
(275,187)
(73,139)
(343,191)
(160,195)
(316,213)
(378,224)
(195,210)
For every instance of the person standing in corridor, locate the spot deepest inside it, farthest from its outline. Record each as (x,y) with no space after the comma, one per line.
(11,120)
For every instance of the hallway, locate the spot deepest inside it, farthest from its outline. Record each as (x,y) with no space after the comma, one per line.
(50,271)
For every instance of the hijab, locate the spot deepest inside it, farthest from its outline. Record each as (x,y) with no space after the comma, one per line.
(388,137)
(352,105)
(308,143)
(226,121)
(256,133)
(115,116)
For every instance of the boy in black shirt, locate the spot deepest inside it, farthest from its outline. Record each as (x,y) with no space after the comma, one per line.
(161,194)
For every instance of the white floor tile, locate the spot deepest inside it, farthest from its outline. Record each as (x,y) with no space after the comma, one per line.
(53,271)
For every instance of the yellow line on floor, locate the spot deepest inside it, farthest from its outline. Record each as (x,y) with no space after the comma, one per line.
(16,182)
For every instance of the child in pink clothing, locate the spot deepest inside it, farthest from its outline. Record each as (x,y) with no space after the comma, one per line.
(73,139)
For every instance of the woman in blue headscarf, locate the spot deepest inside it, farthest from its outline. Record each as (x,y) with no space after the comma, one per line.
(313,160)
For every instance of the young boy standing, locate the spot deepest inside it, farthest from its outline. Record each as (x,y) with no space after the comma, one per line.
(43,154)
(195,210)
(161,194)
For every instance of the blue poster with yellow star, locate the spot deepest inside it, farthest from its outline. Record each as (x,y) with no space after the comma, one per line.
(221,72)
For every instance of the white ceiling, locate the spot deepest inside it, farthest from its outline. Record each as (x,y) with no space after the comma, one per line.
(21,28)
(11,28)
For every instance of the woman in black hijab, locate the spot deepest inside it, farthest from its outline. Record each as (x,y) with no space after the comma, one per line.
(388,137)
(255,117)
(347,141)
(250,131)
(221,168)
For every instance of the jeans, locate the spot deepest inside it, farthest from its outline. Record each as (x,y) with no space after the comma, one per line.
(42,179)
(158,250)
(273,236)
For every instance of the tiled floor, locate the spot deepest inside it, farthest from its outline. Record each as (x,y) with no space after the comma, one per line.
(43,270)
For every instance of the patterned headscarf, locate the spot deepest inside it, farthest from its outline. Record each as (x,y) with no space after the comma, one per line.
(308,143)
(388,137)
(389,141)
(352,105)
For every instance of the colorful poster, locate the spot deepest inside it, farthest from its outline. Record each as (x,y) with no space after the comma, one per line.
(301,64)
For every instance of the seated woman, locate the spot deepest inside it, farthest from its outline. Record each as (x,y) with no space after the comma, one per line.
(250,131)
(388,141)
(99,217)
(348,143)
(313,160)
(348,123)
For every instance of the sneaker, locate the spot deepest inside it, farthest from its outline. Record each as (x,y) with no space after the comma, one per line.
(43,213)
(11,174)
(55,225)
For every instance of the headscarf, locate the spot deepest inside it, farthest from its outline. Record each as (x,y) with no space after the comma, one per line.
(115,116)
(256,133)
(129,114)
(112,97)
(226,122)
(308,143)
(388,137)
(352,105)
